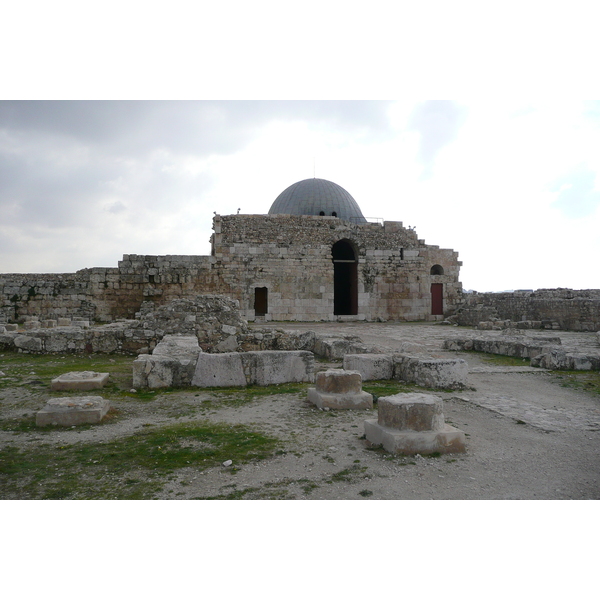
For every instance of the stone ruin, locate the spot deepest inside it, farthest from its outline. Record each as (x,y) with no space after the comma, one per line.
(413,424)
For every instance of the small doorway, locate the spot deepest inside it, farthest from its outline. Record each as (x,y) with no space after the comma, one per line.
(345,279)
(261,301)
(437,298)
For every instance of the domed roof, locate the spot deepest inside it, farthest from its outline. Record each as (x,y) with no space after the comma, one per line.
(317,197)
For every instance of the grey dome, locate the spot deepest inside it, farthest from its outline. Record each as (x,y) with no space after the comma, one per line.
(316,196)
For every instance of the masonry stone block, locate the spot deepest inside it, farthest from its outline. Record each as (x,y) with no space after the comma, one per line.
(28,343)
(339,389)
(431,372)
(80,381)
(370,366)
(72,411)
(413,424)
(272,367)
(219,370)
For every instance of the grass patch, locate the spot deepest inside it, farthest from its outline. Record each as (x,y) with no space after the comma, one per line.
(588,381)
(238,396)
(100,471)
(22,369)
(347,475)
(501,360)
(379,389)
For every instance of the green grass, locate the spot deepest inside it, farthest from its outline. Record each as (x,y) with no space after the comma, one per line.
(588,381)
(129,468)
(34,370)
(501,360)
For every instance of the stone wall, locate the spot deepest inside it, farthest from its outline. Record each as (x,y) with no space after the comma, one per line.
(290,256)
(574,310)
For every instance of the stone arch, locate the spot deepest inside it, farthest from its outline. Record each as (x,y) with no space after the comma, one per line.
(345,278)
(437,270)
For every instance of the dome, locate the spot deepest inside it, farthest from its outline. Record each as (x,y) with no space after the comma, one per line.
(317,197)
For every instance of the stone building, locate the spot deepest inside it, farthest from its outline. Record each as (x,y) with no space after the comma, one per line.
(313,257)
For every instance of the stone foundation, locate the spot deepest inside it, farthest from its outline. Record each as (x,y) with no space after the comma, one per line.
(337,389)
(413,424)
(71,411)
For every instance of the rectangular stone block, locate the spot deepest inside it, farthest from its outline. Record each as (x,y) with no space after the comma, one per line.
(80,381)
(370,366)
(431,372)
(448,440)
(356,401)
(337,381)
(272,367)
(219,370)
(72,411)
(417,412)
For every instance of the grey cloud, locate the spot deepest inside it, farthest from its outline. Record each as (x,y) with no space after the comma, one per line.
(438,122)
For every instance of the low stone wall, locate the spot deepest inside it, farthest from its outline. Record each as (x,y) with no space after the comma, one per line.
(571,310)
(426,372)
(253,368)
(519,347)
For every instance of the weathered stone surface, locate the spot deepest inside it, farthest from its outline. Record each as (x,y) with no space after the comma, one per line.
(413,424)
(273,367)
(357,401)
(338,381)
(73,411)
(80,381)
(339,389)
(448,440)
(337,348)
(370,366)
(162,371)
(184,347)
(418,412)
(431,372)
(557,359)
(575,310)
(219,370)
(521,347)
(28,343)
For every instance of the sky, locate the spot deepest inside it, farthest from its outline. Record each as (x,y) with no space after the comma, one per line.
(513,186)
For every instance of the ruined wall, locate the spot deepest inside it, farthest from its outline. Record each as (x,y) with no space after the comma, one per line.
(574,310)
(291,256)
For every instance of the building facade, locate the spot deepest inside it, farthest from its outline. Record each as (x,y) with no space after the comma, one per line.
(314,257)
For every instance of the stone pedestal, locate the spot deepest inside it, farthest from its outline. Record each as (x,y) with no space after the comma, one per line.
(79,380)
(78,410)
(339,389)
(413,424)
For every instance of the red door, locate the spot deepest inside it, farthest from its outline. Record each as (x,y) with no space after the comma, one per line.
(437,298)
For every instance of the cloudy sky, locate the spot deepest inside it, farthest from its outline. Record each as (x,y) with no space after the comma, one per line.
(514,187)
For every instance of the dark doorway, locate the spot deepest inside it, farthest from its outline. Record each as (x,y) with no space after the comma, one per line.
(437,298)
(345,279)
(261,301)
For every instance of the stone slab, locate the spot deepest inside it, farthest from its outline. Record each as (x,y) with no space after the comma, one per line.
(356,401)
(272,367)
(338,381)
(219,370)
(370,366)
(432,372)
(77,410)
(79,381)
(448,440)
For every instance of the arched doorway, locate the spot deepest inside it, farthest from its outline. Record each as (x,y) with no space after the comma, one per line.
(345,279)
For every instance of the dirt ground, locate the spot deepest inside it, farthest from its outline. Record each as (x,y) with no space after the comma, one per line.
(530,435)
